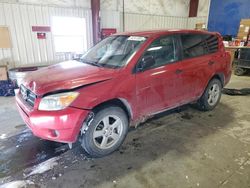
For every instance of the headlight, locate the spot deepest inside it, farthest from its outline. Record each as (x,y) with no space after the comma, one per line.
(57,101)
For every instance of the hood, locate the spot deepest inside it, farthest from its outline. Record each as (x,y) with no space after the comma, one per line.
(64,76)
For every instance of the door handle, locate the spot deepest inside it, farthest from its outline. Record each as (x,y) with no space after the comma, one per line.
(178,71)
(211,62)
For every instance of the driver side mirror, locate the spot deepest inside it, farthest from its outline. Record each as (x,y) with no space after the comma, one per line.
(146,62)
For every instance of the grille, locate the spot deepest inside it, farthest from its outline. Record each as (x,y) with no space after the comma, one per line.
(28,96)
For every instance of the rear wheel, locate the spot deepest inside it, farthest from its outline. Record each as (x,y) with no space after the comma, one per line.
(211,96)
(106,132)
(239,71)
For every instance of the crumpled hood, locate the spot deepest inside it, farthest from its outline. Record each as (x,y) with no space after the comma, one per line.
(66,75)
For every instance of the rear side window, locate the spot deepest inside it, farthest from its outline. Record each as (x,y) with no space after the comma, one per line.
(212,43)
(197,45)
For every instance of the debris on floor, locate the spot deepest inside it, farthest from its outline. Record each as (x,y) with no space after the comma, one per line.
(244,91)
(3,136)
(187,116)
(44,166)
(17,184)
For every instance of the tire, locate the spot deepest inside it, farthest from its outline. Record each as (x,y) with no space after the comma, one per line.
(211,96)
(106,132)
(239,71)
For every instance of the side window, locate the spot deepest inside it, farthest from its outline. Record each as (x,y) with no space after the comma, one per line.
(163,51)
(193,45)
(212,43)
(197,45)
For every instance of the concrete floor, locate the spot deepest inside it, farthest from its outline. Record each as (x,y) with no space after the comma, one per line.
(183,148)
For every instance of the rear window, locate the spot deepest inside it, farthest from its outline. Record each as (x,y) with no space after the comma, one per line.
(197,45)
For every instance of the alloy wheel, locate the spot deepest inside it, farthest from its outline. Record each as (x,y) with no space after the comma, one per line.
(108,132)
(213,94)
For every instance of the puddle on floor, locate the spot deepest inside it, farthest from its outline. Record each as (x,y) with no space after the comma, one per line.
(25,150)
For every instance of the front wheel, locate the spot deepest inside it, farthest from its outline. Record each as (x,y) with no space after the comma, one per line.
(106,132)
(211,96)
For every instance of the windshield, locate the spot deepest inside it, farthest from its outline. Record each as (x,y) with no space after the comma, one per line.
(113,52)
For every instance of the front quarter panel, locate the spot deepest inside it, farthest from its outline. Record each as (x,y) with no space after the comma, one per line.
(120,87)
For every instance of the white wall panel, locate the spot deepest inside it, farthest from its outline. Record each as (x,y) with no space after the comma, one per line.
(141,22)
(57,3)
(154,7)
(26,48)
(110,19)
(137,22)
(203,8)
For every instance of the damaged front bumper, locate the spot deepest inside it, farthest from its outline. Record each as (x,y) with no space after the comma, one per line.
(60,126)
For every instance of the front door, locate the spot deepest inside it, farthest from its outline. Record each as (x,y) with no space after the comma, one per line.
(157,84)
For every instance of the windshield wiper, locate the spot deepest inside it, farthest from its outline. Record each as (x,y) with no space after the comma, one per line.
(95,63)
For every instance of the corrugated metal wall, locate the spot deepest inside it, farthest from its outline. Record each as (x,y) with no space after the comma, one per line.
(111,19)
(136,22)
(142,22)
(26,48)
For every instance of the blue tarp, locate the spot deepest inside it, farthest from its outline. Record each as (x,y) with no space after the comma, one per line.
(225,15)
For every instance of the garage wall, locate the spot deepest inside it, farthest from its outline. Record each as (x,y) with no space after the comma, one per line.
(179,8)
(144,14)
(58,3)
(137,22)
(27,49)
(151,14)
(203,8)
(111,19)
(140,15)
(142,22)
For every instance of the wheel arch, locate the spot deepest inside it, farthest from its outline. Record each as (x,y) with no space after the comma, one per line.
(121,102)
(219,76)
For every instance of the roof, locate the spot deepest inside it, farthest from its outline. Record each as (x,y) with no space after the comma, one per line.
(151,33)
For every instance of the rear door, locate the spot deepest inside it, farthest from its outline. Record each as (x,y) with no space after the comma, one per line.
(197,65)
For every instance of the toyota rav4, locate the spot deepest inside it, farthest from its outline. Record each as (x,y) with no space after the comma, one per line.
(120,82)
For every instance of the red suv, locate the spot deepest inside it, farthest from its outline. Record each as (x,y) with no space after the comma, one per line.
(122,81)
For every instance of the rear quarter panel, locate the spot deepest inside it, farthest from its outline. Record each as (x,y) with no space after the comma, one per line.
(224,65)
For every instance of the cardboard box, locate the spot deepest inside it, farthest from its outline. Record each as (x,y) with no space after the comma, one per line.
(200,26)
(244,29)
(245,21)
(3,73)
